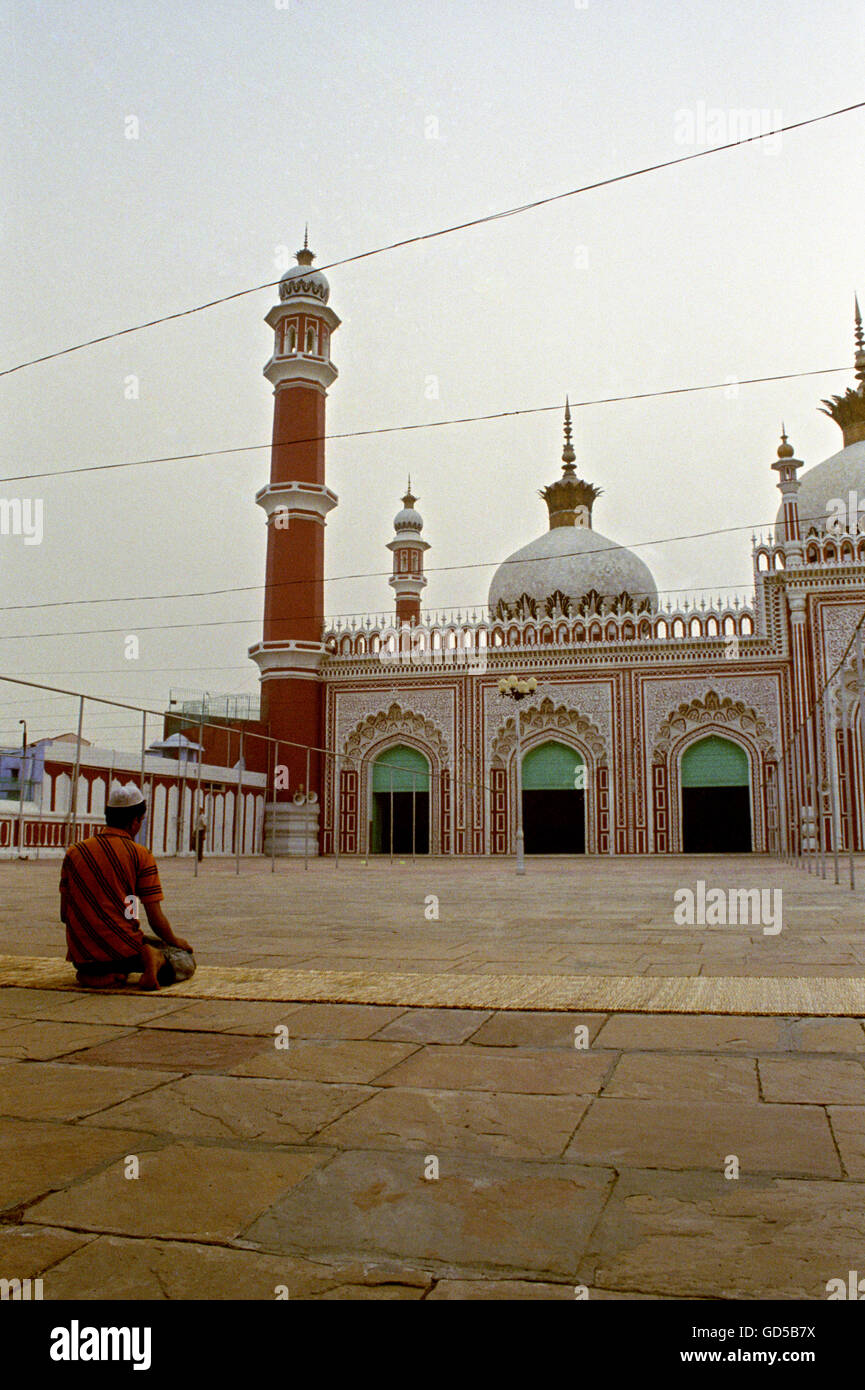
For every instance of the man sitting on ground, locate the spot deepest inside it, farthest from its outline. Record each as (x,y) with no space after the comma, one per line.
(102,881)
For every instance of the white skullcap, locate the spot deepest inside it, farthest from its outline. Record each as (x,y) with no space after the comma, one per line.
(130,795)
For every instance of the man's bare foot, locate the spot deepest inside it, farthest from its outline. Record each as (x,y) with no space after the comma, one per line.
(153,962)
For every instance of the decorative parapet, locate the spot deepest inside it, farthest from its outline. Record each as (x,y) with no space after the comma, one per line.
(471,642)
(822,545)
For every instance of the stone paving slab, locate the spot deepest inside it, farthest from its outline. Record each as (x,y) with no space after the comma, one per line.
(26,1252)
(435,1025)
(183,1191)
(24,1001)
(47,1091)
(474,1218)
(513,1290)
(848,1126)
(153,1269)
(326,1059)
(227,1107)
(37,1157)
(521,1291)
(132,1007)
(347,1021)
(658,1033)
(40,1041)
(828,1034)
(519,1029)
(439,1122)
(782,1139)
(695,1080)
(818,1080)
(692,1236)
(171,1051)
(553,1072)
(216,1016)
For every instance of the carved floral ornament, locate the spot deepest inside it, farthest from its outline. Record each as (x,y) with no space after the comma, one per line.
(711,711)
(543,717)
(394,722)
(848,683)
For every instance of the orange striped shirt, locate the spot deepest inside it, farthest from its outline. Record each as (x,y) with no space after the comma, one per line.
(99,878)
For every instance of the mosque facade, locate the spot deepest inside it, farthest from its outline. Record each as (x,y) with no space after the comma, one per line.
(649,728)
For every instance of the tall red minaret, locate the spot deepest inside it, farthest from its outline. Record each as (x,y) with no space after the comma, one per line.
(296,502)
(408,580)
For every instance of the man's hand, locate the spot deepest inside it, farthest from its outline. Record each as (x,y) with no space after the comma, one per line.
(162,927)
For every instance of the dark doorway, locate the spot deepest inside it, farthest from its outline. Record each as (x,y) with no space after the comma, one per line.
(716,820)
(402,822)
(554,822)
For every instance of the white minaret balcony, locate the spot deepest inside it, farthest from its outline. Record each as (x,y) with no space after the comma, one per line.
(407,583)
(296,502)
(288,660)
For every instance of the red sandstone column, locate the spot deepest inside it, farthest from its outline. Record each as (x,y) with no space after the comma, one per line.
(296,502)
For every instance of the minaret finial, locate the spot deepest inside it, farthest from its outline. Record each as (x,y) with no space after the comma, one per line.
(785,448)
(304,255)
(860,344)
(568,455)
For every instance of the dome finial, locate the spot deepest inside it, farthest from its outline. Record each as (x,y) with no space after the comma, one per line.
(304,255)
(568,455)
(848,410)
(785,448)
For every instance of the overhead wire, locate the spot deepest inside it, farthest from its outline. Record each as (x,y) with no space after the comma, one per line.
(444,231)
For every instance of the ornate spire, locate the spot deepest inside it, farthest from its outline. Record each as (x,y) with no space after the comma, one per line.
(848,411)
(304,255)
(568,455)
(409,499)
(569,500)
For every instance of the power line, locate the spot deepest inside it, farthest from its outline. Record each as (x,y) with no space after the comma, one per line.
(258,588)
(423,425)
(368,574)
(443,231)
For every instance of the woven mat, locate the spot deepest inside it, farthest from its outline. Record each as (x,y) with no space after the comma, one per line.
(832,996)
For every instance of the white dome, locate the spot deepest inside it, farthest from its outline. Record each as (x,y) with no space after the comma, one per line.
(301,279)
(835,477)
(575,560)
(408,520)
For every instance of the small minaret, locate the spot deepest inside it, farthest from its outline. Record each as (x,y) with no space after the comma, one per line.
(786,466)
(848,411)
(408,546)
(570,499)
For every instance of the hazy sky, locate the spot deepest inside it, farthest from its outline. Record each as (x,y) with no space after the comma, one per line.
(376,122)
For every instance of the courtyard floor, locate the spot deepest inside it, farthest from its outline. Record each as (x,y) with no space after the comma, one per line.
(173,1145)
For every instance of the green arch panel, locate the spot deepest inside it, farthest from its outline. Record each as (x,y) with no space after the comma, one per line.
(408,769)
(715,762)
(552,767)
